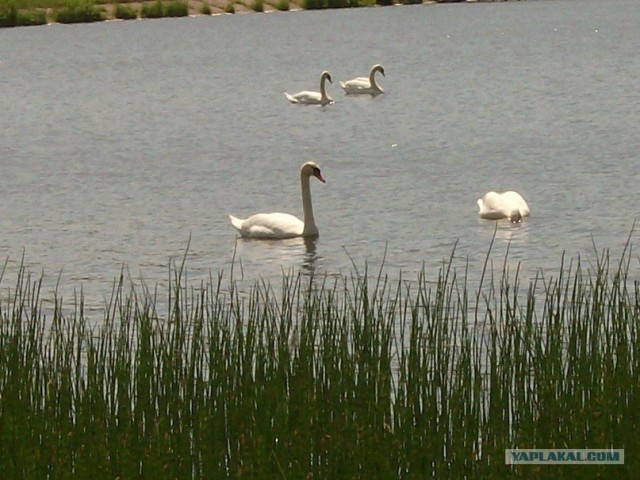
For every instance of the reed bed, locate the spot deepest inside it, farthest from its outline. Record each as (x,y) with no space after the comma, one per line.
(359,377)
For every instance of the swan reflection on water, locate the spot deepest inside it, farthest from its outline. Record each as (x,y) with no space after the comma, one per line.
(310,255)
(273,258)
(506,231)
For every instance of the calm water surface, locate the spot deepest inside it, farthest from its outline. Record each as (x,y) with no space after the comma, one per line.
(125,142)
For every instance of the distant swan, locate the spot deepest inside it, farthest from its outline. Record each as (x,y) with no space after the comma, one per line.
(313,98)
(364,84)
(284,225)
(511,205)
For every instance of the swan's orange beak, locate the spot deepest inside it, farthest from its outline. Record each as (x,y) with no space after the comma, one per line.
(319,176)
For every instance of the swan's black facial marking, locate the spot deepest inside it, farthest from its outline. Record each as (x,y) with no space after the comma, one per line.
(318,174)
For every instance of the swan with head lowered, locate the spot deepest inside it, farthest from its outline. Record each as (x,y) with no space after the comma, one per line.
(511,205)
(283,225)
(365,85)
(307,97)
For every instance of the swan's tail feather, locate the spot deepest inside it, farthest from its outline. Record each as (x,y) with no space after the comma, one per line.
(236,222)
(290,97)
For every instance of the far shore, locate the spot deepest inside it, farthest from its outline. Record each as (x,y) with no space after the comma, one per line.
(218,7)
(198,8)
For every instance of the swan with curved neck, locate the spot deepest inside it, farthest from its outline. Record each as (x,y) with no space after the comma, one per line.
(283,225)
(307,97)
(511,205)
(365,85)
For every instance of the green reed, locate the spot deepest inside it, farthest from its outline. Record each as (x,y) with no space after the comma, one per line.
(282,5)
(125,12)
(257,5)
(175,8)
(152,10)
(79,11)
(162,9)
(13,14)
(358,377)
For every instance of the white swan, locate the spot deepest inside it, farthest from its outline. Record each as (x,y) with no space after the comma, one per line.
(313,98)
(511,205)
(364,84)
(284,225)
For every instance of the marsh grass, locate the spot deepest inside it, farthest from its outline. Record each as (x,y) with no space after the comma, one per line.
(15,13)
(313,4)
(79,11)
(34,12)
(11,15)
(322,4)
(175,8)
(359,377)
(125,12)
(160,9)
(152,10)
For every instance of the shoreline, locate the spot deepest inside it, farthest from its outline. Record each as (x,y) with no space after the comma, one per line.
(199,8)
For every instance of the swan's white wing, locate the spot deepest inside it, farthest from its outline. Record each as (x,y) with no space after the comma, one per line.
(269,225)
(514,201)
(364,81)
(494,206)
(361,85)
(356,85)
(236,222)
(491,206)
(290,97)
(306,97)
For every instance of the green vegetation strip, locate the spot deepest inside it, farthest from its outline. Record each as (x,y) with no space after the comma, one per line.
(353,378)
(15,13)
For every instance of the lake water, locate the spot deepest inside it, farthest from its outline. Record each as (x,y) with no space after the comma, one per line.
(124,143)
